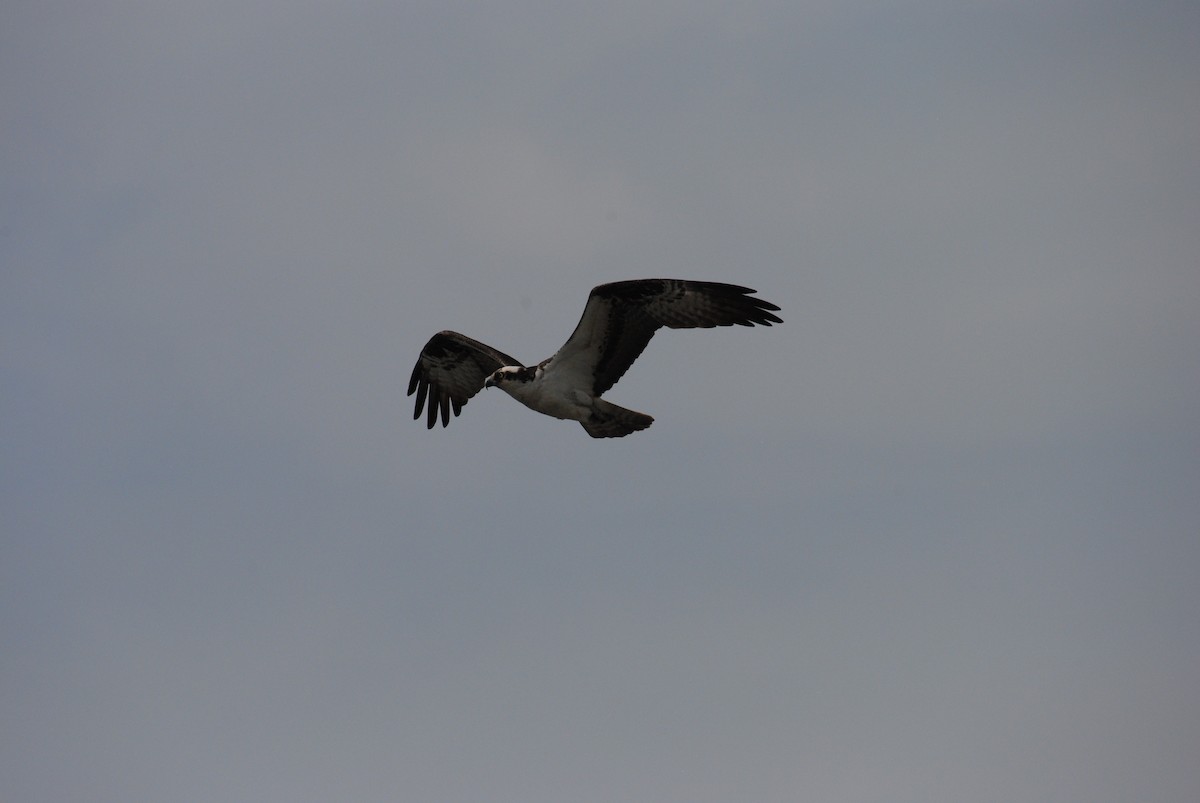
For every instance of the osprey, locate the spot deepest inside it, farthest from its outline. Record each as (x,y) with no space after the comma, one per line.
(618,321)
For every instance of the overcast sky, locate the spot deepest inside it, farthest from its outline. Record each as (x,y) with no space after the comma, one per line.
(935,538)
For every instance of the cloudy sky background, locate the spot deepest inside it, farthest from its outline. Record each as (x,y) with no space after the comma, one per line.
(936,538)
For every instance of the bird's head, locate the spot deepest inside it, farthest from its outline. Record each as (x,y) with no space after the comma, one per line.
(509,373)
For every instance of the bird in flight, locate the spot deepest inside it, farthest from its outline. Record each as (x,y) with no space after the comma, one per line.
(618,321)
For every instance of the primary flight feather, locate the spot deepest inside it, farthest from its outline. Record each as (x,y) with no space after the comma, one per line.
(617,323)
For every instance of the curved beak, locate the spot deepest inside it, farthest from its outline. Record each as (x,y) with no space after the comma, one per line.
(488,383)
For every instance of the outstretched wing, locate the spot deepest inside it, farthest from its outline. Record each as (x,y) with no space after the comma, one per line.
(620,318)
(450,370)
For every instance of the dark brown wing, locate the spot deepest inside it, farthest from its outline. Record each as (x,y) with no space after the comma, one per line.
(451,369)
(620,318)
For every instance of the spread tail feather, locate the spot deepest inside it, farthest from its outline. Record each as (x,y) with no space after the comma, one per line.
(610,421)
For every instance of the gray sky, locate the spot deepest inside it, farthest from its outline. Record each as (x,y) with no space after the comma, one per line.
(933,539)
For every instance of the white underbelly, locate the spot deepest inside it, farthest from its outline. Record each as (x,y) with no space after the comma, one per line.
(572,406)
